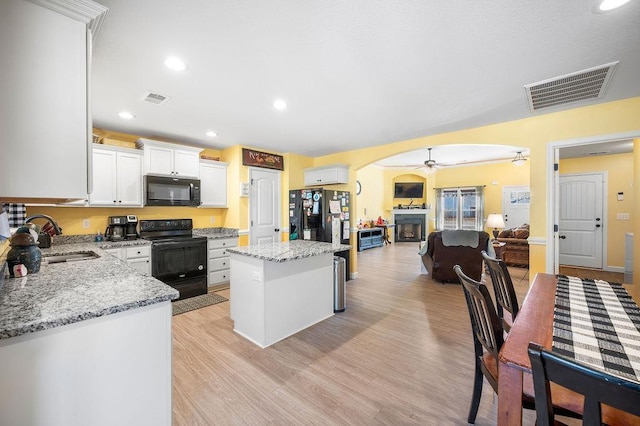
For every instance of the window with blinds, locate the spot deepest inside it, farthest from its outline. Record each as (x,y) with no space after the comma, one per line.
(459,208)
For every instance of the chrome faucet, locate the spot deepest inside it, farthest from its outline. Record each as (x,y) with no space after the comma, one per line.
(53,223)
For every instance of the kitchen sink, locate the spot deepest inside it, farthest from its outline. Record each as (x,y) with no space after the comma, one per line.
(69,257)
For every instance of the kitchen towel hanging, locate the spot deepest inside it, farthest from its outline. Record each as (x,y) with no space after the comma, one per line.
(17,214)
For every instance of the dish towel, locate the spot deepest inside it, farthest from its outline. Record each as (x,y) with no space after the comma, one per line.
(16,213)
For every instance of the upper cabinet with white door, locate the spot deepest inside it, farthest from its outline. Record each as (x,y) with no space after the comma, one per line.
(162,158)
(213,183)
(117,177)
(326,175)
(45,124)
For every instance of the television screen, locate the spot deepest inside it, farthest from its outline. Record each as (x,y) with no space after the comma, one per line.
(408,190)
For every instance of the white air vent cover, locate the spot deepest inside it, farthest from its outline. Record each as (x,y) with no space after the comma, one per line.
(574,87)
(154,98)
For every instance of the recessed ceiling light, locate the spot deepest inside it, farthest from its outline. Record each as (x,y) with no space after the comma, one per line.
(611,4)
(175,63)
(211,134)
(126,115)
(279,104)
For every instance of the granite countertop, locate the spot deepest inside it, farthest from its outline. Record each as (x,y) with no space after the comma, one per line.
(65,293)
(215,233)
(287,251)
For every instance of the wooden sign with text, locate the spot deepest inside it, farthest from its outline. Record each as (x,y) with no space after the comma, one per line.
(262,159)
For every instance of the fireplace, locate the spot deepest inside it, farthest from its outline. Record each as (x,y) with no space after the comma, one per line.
(409,227)
(410,224)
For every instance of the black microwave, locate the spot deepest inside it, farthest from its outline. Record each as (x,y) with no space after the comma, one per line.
(171,191)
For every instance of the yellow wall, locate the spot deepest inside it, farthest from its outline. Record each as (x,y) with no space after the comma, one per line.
(619,169)
(492,176)
(70,218)
(371,199)
(636,223)
(534,133)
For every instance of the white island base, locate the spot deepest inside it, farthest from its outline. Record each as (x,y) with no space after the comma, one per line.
(273,300)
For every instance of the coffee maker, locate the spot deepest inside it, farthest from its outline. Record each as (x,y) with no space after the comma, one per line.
(116,229)
(132,227)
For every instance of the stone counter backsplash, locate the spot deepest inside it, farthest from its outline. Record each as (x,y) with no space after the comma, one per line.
(216,232)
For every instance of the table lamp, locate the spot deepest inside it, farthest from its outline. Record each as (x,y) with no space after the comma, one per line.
(495,221)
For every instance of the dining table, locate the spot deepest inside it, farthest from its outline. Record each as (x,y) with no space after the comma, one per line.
(535,323)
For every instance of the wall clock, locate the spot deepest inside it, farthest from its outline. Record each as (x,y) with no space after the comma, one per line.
(358,187)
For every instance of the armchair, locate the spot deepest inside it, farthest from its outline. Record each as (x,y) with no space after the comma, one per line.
(445,249)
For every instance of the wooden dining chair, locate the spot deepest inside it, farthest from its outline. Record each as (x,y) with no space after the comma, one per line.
(598,387)
(503,290)
(487,339)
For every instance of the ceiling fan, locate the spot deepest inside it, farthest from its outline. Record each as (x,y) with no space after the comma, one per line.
(430,164)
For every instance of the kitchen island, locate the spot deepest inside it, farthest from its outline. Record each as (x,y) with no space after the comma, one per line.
(85,342)
(279,289)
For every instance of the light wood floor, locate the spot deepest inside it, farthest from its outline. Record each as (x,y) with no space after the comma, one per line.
(400,354)
(594,274)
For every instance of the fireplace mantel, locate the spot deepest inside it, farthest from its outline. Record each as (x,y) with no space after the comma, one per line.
(409,211)
(424,213)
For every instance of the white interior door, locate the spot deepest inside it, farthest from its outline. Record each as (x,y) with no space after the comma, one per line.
(516,202)
(264,223)
(581,221)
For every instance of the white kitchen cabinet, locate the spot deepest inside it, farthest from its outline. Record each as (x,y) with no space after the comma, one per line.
(218,264)
(45,125)
(213,183)
(117,177)
(110,370)
(138,257)
(326,175)
(162,158)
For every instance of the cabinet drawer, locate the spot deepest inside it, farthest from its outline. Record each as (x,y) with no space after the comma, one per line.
(219,277)
(115,252)
(138,251)
(218,264)
(219,252)
(222,242)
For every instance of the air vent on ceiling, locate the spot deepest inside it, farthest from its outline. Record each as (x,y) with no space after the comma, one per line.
(154,98)
(578,86)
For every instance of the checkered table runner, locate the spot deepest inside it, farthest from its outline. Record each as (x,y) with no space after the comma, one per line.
(597,323)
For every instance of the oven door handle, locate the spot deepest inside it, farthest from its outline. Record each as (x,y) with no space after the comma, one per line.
(167,243)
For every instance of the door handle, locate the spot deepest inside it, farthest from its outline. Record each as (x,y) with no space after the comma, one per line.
(277,230)
(597,219)
(598,225)
(562,237)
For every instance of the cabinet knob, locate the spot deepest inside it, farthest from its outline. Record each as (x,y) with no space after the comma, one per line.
(114,201)
(120,201)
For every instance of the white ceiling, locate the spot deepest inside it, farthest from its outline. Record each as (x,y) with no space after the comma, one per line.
(355,73)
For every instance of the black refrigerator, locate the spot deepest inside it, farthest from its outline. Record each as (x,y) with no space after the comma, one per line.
(312,213)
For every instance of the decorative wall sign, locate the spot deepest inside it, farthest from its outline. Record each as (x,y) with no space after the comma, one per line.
(262,159)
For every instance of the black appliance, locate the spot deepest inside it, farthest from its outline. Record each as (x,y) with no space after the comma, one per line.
(178,258)
(116,228)
(131,231)
(311,214)
(171,191)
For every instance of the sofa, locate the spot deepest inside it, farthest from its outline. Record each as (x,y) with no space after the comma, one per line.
(516,250)
(445,249)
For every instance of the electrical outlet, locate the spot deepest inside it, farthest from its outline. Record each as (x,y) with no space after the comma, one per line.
(86,223)
(213,220)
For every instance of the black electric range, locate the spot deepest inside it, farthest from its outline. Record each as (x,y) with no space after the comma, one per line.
(178,258)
